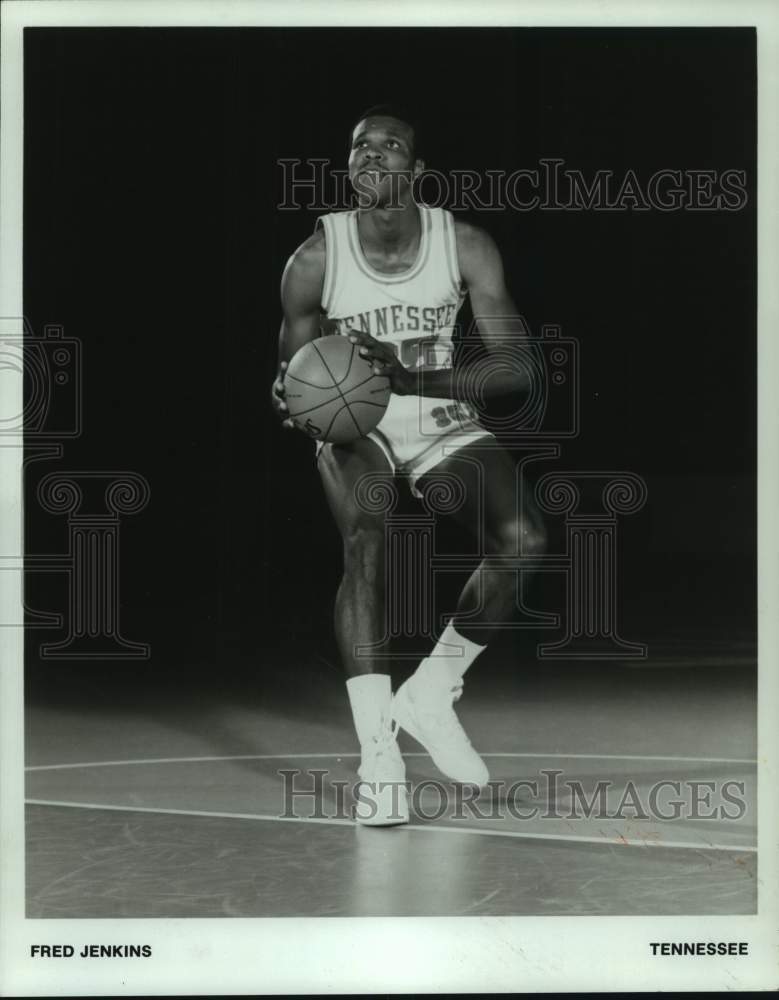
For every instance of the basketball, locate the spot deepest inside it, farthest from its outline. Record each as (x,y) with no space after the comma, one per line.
(331,391)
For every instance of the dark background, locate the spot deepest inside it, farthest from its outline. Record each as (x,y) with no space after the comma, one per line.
(152,235)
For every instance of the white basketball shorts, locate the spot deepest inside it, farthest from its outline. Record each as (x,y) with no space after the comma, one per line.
(418,432)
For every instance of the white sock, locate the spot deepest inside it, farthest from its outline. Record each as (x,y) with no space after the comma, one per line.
(451,657)
(458,651)
(370,696)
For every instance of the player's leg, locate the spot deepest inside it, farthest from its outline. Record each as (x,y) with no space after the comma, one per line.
(508,535)
(359,605)
(359,621)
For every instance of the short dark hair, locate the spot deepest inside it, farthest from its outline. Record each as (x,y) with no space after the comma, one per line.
(401,113)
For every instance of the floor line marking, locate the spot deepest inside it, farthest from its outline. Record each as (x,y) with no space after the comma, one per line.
(618,840)
(319,756)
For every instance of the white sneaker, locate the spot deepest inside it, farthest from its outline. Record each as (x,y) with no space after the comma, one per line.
(434,724)
(382,795)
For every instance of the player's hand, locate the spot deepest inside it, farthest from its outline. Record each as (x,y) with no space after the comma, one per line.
(385,362)
(277,398)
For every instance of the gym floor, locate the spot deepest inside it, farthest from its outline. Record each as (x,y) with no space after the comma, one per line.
(150,796)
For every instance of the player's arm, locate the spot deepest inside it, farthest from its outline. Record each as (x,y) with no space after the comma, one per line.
(301,295)
(493,308)
(498,321)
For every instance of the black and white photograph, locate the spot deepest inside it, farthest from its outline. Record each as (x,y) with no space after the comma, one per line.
(387,415)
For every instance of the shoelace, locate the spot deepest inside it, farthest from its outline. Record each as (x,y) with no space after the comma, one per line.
(445,722)
(384,746)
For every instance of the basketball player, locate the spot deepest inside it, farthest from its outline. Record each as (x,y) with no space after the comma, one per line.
(392,275)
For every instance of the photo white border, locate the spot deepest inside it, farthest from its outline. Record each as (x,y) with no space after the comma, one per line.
(389,955)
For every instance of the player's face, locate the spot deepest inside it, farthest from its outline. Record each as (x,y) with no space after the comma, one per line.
(381,161)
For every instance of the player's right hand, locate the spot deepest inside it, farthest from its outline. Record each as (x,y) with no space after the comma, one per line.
(277,398)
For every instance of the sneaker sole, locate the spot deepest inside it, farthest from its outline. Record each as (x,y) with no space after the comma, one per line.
(389,808)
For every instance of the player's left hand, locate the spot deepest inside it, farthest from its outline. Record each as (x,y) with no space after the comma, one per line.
(385,362)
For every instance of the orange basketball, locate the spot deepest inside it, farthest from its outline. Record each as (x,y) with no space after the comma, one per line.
(331,391)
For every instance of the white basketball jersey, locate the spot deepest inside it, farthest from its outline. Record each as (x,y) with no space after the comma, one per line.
(414,311)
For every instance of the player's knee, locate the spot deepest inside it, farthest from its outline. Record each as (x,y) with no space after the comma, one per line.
(532,539)
(518,538)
